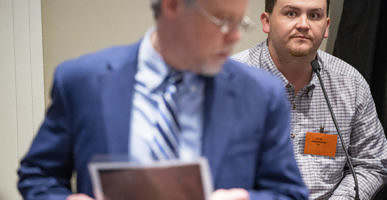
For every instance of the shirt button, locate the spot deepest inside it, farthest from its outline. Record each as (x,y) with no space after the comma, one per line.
(292,135)
(193,89)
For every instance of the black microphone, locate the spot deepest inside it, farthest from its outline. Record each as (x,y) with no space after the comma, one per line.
(316,69)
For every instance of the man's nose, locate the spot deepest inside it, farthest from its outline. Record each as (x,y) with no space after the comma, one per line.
(233,36)
(303,23)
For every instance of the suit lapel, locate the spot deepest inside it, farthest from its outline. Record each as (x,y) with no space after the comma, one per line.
(220,105)
(116,93)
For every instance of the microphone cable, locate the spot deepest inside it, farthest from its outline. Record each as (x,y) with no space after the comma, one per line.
(316,69)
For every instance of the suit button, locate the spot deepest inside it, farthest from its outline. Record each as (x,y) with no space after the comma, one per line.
(292,135)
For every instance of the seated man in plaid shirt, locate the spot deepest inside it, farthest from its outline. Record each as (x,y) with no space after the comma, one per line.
(295,31)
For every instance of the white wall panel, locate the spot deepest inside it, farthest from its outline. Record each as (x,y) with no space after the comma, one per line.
(21,85)
(8,108)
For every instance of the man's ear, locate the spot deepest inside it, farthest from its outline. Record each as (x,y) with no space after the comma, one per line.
(169,8)
(265,20)
(326,34)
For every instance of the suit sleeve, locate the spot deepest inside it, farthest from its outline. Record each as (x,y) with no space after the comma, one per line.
(277,175)
(46,170)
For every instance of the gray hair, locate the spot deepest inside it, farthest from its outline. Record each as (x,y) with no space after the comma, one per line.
(156,6)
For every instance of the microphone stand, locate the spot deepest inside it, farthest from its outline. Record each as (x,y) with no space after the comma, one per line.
(316,69)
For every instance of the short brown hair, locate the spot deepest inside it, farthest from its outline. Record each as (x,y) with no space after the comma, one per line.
(156,7)
(269,5)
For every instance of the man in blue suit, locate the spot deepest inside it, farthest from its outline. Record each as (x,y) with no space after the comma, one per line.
(173,95)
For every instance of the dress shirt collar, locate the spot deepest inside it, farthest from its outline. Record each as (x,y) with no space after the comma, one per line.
(152,70)
(267,63)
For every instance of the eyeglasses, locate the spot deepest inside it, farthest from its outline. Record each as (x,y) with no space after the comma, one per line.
(226,26)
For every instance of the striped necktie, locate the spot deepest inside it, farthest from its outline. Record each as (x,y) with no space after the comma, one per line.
(167,123)
(163,115)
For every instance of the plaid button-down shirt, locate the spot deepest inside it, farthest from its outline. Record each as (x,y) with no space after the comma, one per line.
(351,99)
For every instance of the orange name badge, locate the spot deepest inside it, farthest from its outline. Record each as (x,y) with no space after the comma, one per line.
(320,144)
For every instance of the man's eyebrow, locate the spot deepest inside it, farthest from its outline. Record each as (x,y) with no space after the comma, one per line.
(317,10)
(290,7)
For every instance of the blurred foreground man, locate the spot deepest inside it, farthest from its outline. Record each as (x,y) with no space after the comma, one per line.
(295,31)
(173,95)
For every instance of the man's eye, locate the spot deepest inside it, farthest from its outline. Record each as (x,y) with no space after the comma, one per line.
(291,14)
(314,16)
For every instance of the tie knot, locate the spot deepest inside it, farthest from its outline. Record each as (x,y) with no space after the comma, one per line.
(175,77)
(172,82)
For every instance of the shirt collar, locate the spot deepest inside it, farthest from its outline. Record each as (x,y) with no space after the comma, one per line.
(152,69)
(315,80)
(267,63)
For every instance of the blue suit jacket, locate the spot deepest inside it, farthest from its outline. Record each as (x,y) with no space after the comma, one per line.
(245,136)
